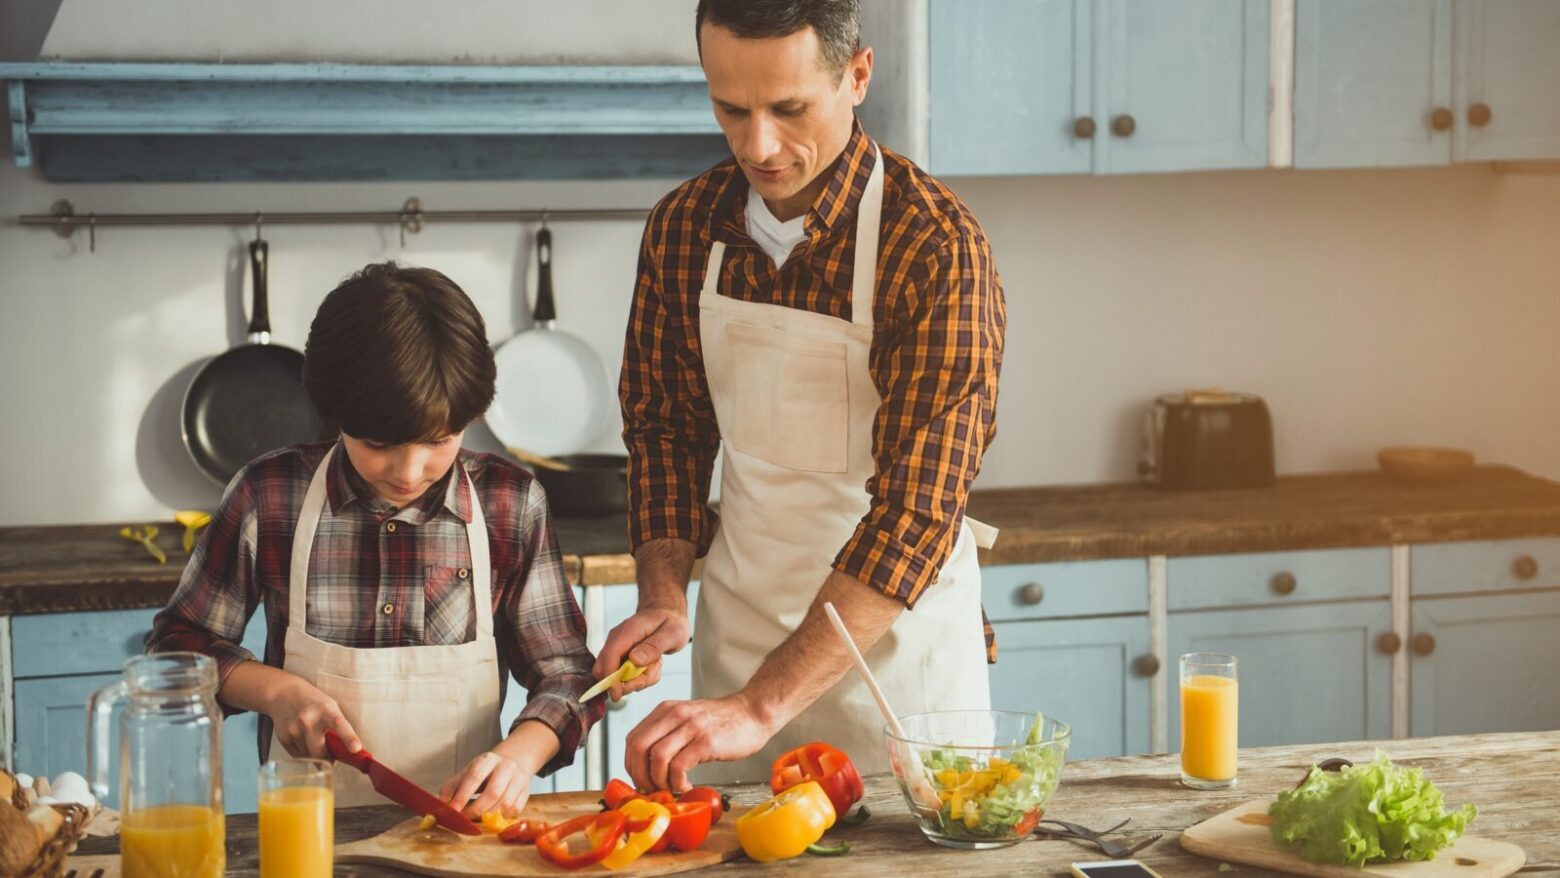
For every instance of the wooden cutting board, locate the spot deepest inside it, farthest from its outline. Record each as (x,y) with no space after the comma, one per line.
(1242,835)
(445,854)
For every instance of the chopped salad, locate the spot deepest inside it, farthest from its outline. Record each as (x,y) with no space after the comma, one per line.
(989,798)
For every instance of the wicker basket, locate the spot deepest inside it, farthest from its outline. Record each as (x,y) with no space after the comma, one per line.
(50,860)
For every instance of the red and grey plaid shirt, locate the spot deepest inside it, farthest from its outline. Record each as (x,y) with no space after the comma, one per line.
(938,318)
(418,567)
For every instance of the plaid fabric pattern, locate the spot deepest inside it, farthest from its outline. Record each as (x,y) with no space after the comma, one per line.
(939,319)
(368,556)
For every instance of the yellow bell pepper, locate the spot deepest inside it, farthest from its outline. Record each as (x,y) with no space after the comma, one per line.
(786,825)
(494,822)
(634,844)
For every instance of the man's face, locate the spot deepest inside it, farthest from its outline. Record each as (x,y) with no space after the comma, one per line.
(785,113)
(400,474)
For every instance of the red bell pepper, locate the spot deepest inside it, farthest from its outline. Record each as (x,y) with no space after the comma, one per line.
(616,793)
(522,832)
(827,765)
(690,827)
(718,803)
(602,832)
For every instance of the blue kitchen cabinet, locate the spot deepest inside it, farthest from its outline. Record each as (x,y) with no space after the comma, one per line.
(1309,673)
(1484,663)
(1183,86)
(1011,81)
(1088,673)
(676,682)
(1369,78)
(51,727)
(1508,58)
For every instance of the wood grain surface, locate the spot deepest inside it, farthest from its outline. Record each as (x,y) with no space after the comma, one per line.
(1512,778)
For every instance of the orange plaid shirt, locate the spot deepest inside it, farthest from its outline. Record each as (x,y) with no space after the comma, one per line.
(939,319)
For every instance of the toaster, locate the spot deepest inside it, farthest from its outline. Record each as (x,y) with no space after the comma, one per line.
(1205,439)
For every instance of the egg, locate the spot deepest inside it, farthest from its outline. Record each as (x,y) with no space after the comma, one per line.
(24,780)
(72,787)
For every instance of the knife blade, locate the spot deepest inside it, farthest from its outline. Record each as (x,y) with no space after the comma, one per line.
(625,672)
(398,789)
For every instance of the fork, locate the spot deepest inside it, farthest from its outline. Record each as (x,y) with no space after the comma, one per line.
(1107,847)
(85,873)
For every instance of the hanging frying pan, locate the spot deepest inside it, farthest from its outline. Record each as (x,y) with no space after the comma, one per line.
(250,399)
(553,395)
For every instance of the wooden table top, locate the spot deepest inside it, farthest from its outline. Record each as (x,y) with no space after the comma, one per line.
(1512,778)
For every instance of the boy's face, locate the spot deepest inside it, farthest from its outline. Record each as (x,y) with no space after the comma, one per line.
(400,474)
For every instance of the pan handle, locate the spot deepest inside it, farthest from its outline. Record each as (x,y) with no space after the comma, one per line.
(545,312)
(260,315)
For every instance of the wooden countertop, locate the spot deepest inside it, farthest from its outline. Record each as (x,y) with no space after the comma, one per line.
(85,567)
(1510,777)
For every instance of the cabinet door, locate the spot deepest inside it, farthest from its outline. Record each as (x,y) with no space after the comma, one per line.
(1008,80)
(1079,671)
(1368,76)
(1509,62)
(51,727)
(676,682)
(1308,674)
(1192,77)
(1490,666)
(241,738)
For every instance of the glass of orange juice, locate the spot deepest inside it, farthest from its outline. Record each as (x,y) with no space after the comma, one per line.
(1210,716)
(297,819)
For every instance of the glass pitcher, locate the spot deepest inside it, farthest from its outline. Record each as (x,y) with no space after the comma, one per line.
(170,765)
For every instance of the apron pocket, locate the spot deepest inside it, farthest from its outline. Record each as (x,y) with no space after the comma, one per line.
(792,408)
(411,726)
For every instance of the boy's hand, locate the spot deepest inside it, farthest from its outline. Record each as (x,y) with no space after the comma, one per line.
(302,714)
(505,786)
(642,639)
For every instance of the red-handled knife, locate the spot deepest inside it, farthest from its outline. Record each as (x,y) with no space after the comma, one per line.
(398,789)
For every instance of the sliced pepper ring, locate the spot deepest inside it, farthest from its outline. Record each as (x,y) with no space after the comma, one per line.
(652,821)
(601,831)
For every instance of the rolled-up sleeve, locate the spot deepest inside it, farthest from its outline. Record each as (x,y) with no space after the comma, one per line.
(937,376)
(669,422)
(544,643)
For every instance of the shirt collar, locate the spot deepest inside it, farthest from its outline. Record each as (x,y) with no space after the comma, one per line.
(836,204)
(344,486)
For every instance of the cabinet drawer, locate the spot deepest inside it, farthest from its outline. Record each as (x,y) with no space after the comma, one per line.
(60,644)
(1077,588)
(1278,578)
(1498,565)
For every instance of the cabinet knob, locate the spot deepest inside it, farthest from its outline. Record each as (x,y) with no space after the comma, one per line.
(1284,583)
(616,705)
(1123,125)
(1525,567)
(1031,594)
(1479,115)
(1146,665)
(1441,119)
(1389,643)
(1083,127)
(1424,644)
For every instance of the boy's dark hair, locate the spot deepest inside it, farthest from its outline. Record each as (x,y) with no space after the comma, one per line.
(398,355)
(837,23)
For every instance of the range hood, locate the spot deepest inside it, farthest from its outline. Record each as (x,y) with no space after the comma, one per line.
(478,89)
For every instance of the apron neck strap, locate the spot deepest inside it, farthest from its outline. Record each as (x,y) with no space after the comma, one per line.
(869,214)
(308,524)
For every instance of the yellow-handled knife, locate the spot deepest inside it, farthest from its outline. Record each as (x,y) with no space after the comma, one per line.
(627,671)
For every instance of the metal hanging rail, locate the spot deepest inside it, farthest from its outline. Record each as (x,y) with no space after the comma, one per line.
(65,220)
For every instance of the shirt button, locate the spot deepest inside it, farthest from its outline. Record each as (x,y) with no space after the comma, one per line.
(389,608)
(462,573)
(390,526)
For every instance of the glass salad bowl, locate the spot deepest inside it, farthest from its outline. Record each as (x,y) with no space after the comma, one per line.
(977,779)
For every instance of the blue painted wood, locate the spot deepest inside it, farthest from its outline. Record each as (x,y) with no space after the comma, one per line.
(240,739)
(1079,588)
(1367,76)
(676,680)
(90,71)
(1080,672)
(1508,58)
(1493,666)
(1008,78)
(1489,566)
(61,644)
(51,726)
(1207,581)
(1308,674)
(21,142)
(1193,75)
(220,158)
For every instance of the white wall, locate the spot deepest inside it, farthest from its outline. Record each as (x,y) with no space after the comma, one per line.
(1368,307)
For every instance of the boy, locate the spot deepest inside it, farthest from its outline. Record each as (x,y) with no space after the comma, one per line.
(402,578)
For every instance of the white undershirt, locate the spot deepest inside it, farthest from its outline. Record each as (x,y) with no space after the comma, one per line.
(777,238)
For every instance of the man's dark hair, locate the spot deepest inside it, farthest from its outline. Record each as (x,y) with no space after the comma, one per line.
(837,23)
(398,355)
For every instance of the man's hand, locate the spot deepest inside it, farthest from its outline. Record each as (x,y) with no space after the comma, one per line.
(679,735)
(302,714)
(504,783)
(642,639)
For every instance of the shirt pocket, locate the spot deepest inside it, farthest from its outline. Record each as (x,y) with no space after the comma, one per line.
(447,605)
(792,399)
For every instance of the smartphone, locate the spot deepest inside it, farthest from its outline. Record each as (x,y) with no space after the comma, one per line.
(1113,869)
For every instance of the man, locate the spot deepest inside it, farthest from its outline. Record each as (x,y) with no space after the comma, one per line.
(830,315)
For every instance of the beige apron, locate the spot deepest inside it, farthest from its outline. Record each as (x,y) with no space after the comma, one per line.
(423,711)
(794,397)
